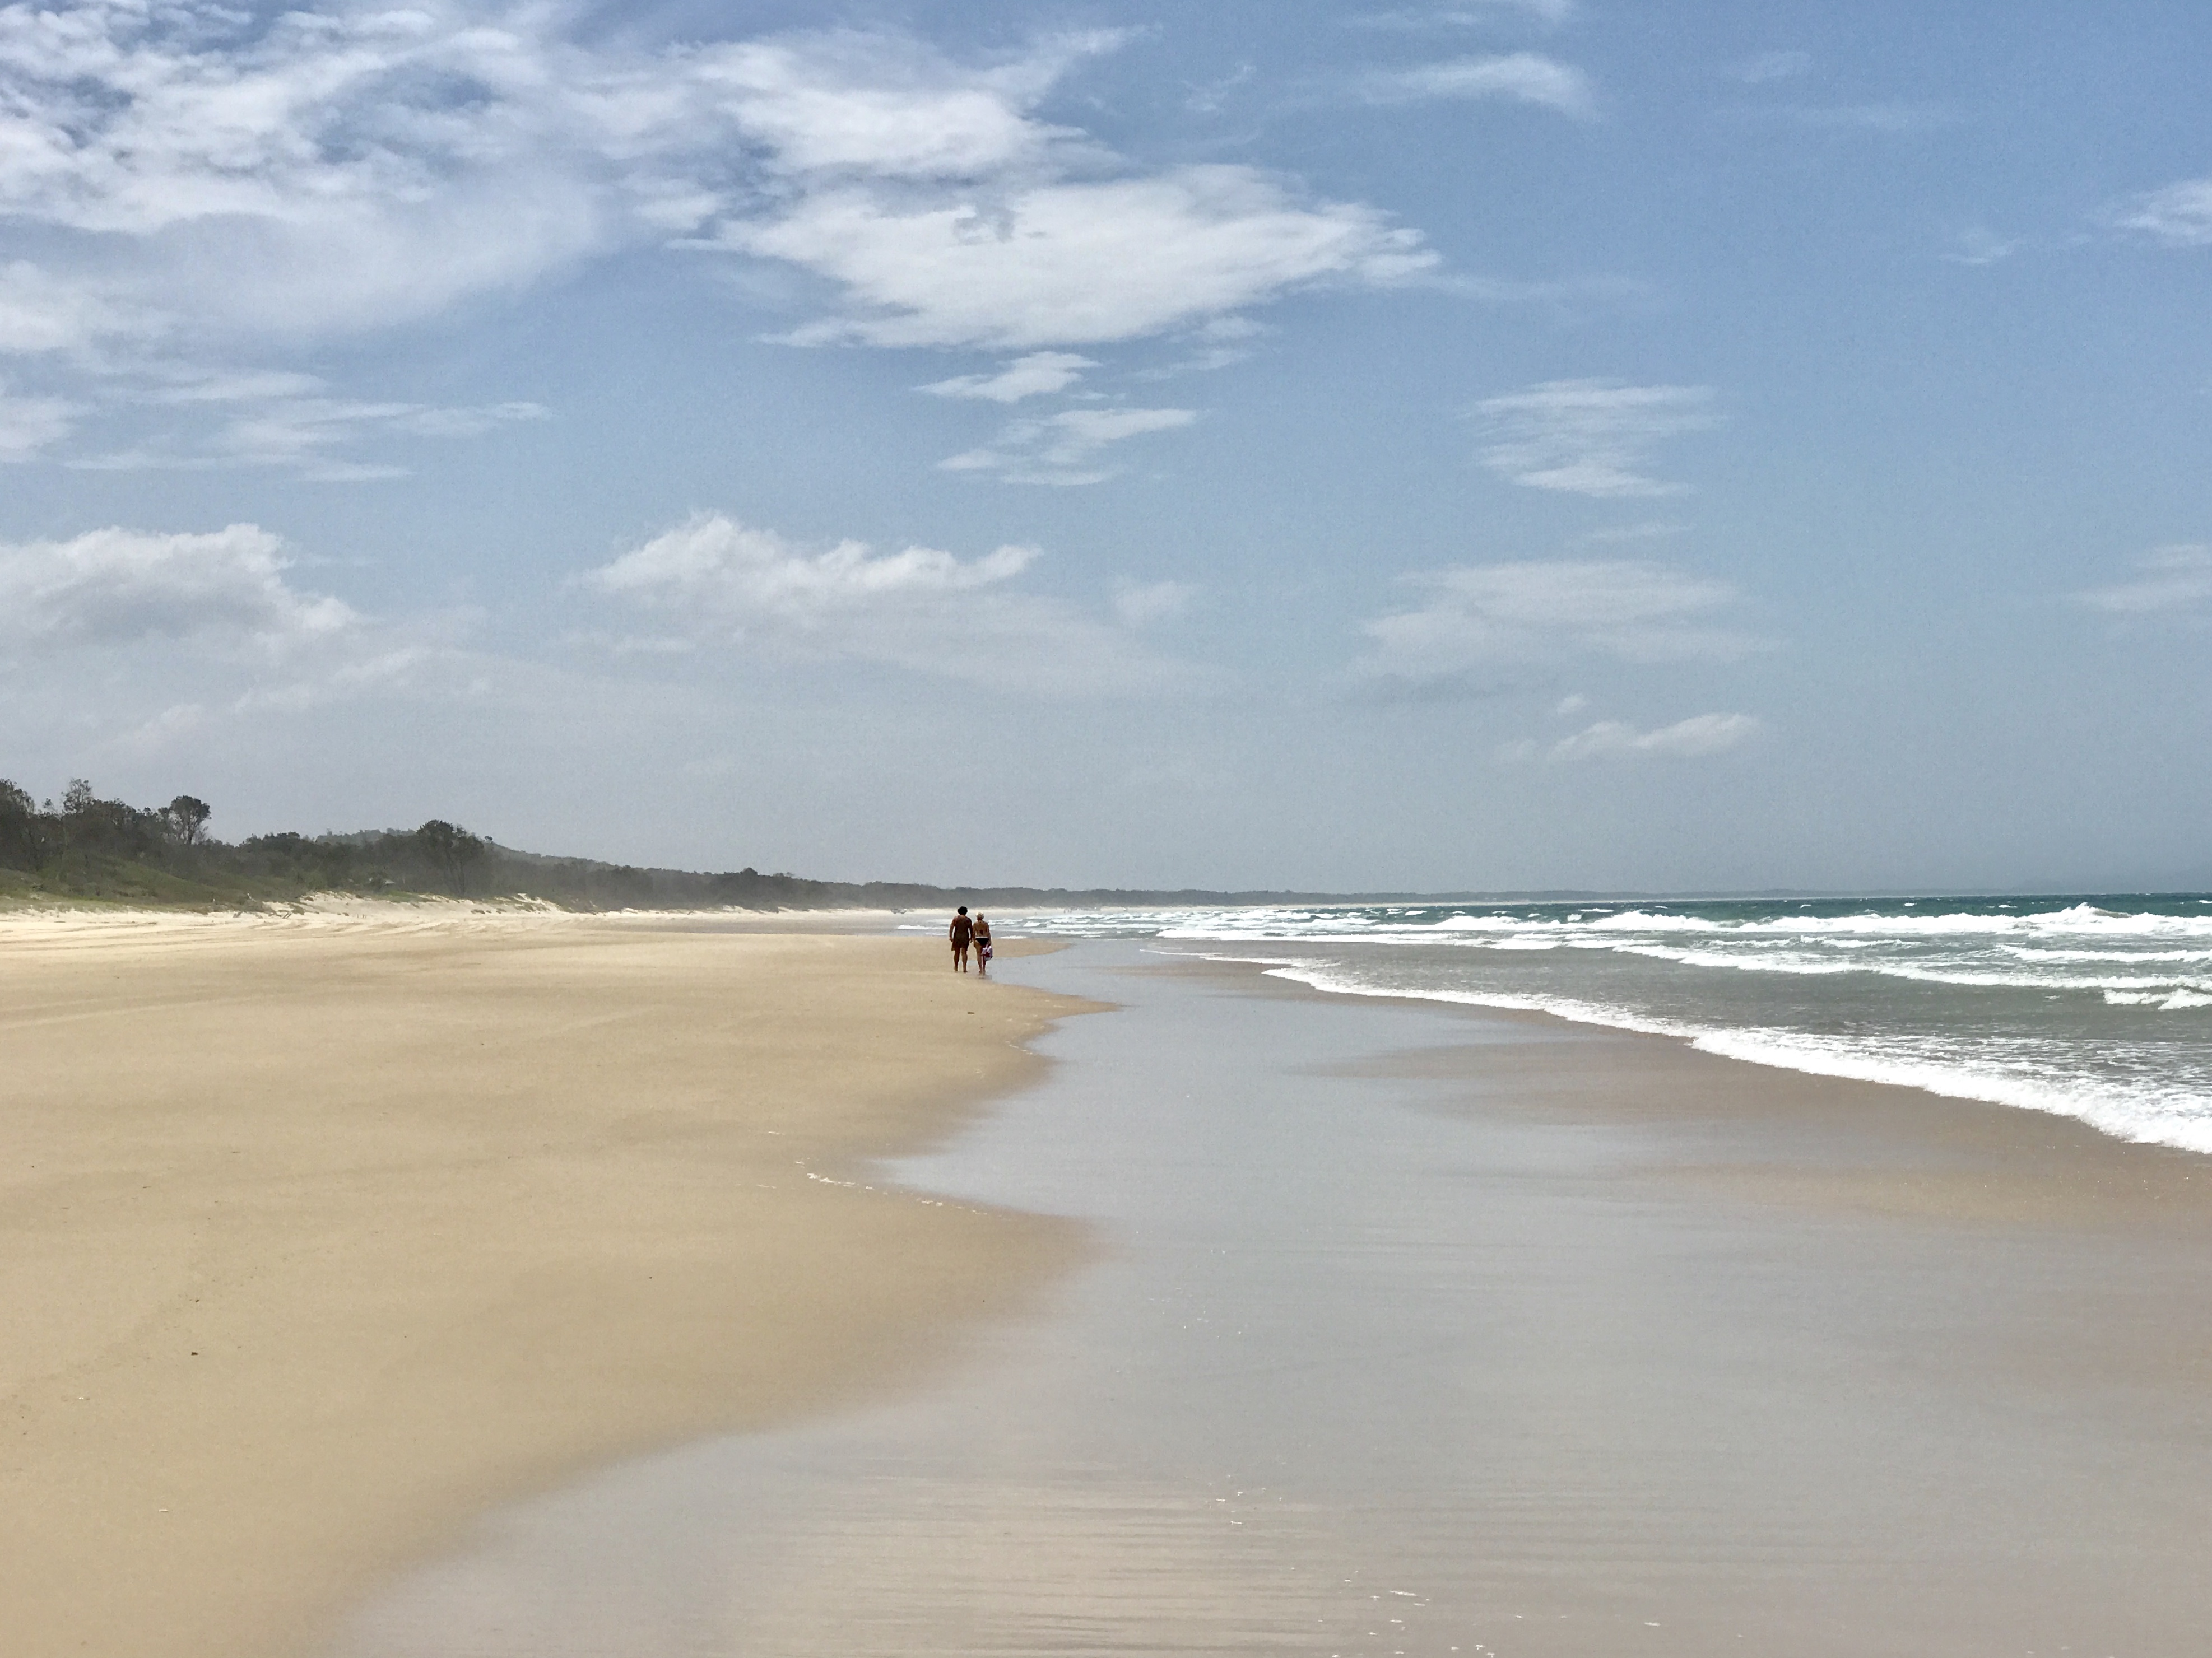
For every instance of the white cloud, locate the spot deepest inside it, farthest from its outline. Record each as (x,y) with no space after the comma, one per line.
(1526,76)
(755,579)
(1139,605)
(1590,437)
(117,586)
(1039,374)
(2172,579)
(344,168)
(918,609)
(2180,215)
(30,425)
(191,175)
(1072,262)
(877,107)
(196,167)
(1688,739)
(40,311)
(1978,245)
(1552,611)
(943,212)
(1066,448)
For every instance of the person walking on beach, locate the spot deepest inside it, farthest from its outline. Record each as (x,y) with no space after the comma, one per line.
(982,943)
(961,931)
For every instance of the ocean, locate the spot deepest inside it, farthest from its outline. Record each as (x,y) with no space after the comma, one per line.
(2093,1006)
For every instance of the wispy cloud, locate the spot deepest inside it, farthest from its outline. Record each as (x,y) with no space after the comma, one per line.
(1141,604)
(1475,616)
(1590,437)
(118,586)
(1523,76)
(43,311)
(1768,66)
(1977,244)
(1693,738)
(2173,581)
(1066,448)
(1470,14)
(2178,214)
(30,426)
(723,583)
(1039,374)
(276,418)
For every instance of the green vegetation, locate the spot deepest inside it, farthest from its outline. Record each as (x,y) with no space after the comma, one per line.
(93,852)
(89,850)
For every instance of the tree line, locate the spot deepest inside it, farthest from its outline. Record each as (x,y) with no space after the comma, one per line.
(88,846)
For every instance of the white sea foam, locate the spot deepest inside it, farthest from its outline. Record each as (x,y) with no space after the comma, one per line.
(2098,1011)
(2155,1117)
(1966,950)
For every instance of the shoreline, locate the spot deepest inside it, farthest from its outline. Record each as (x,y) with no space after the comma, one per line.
(322,1239)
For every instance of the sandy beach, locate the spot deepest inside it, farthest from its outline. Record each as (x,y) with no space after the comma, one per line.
(320,1235)
(509,1286)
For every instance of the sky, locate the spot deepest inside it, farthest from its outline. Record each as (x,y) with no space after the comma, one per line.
(1474,444)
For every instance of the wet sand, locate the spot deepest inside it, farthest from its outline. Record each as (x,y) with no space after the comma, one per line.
(1422,1330)
(320,1236)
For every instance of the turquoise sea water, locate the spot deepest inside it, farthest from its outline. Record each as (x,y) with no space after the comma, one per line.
(2095,1006)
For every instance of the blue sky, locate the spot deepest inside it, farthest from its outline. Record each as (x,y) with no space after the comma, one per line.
(1490,444)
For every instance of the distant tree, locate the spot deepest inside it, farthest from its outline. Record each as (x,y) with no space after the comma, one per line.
(19,827)
(452,852)
(92,824)
(188,819)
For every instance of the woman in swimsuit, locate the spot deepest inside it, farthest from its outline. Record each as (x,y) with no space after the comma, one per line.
(982,943)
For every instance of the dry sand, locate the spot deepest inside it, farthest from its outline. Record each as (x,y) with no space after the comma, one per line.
(320,1233)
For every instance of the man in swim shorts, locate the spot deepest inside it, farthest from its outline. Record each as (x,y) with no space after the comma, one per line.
(961,931)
